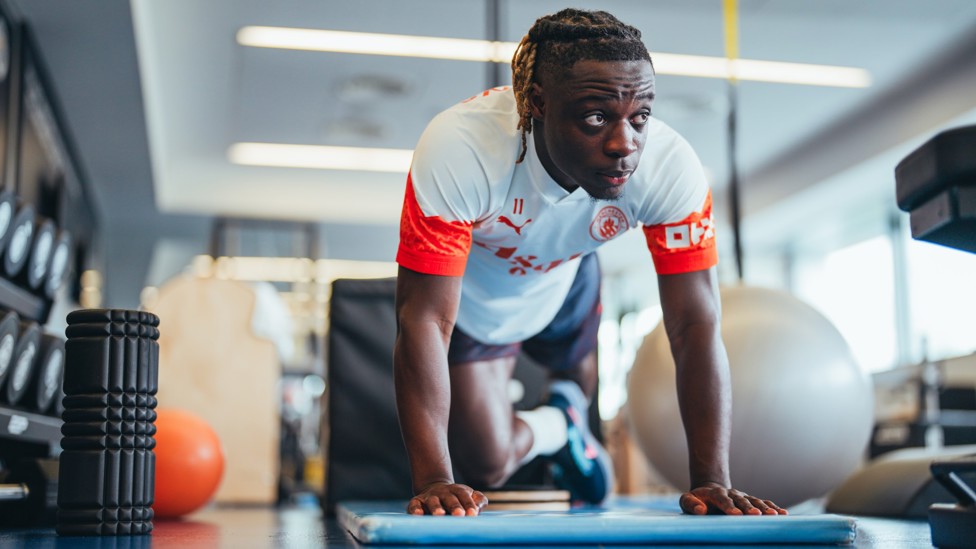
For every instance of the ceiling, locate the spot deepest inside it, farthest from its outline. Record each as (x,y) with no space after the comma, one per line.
(157,91)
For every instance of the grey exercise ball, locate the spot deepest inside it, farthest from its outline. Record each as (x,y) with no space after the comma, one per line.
(802,409)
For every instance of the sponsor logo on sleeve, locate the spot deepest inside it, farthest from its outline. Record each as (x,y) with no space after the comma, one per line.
(690,234)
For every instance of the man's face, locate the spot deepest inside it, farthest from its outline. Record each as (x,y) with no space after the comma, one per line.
(594,124)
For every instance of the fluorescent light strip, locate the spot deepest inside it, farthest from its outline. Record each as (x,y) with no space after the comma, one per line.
(761,71)
(501,52)
(799,73)
(371,43)
(321,157)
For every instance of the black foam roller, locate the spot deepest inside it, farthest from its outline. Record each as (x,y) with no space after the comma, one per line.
(107,463)
(23,362)
(21,236)
(9,326)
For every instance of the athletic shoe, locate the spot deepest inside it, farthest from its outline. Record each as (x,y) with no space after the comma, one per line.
(582,466)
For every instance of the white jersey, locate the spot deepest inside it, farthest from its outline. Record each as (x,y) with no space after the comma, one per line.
(516,235)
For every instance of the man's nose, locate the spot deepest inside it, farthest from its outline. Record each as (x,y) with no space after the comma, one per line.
(622,140)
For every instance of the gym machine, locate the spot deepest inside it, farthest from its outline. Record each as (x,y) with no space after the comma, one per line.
(936,184)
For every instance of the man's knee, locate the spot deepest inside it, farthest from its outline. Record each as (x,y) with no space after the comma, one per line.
(487,475)
(486,467)
(584,372)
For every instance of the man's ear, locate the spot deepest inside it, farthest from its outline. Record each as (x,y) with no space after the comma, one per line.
(537,101)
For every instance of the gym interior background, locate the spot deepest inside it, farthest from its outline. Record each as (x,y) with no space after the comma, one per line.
(150,152)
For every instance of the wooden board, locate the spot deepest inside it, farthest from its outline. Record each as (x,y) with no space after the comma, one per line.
(212,364)
(524,496)
(527,500)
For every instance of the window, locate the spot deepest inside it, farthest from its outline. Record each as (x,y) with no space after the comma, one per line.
(619,342)
(942,299)
(854,288)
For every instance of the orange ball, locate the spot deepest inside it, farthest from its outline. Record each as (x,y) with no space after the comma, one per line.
(189,463)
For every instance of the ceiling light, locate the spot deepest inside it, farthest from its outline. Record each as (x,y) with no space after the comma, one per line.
(501,52)
(761,71)
(321,157)
(369,43)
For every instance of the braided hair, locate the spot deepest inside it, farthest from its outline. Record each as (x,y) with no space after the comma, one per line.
(558,41)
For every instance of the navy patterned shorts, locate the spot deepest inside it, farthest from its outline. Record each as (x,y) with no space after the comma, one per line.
(562,344)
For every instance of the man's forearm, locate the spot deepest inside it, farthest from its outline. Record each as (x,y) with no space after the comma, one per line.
(705,397)
(423,397)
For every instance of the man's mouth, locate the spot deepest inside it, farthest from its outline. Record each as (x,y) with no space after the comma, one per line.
(615,177)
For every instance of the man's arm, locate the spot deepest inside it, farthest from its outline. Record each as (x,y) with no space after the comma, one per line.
(426,308)
(692,319)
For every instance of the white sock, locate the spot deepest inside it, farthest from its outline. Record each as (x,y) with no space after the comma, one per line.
(548,426)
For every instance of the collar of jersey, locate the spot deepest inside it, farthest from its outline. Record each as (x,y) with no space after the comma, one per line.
(544,183)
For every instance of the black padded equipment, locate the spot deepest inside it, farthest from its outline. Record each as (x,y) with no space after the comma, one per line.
(23,362)
(366,459)
(936,183)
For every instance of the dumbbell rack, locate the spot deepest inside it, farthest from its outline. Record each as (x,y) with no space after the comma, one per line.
(29,426)
(45,214)
(29,440)
(17,424)
(17,299)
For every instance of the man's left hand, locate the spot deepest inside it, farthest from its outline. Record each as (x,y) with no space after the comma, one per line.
(714,498)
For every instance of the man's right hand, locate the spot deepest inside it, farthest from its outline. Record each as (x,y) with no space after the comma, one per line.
(442,498)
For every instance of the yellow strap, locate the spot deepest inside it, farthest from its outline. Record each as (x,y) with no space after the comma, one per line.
(730,15)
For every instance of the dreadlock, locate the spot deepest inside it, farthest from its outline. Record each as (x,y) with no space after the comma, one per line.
(558,41)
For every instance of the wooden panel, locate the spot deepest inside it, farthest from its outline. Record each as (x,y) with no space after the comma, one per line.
(211,364)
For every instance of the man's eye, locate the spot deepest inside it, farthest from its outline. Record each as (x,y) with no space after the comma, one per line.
(641,118)
(595,120)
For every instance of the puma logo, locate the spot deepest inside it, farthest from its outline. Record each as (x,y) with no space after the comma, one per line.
(518,228)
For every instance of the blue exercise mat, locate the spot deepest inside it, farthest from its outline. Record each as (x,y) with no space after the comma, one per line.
(620,521)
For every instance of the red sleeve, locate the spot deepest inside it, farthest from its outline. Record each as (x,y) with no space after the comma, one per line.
(429,244)
(685,246)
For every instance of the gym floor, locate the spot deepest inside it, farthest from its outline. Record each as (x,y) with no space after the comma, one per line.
(300,527)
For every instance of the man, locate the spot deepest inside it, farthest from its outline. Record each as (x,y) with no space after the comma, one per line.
(496,256)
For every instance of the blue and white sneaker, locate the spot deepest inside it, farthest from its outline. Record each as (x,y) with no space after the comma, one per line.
(582,466)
